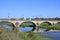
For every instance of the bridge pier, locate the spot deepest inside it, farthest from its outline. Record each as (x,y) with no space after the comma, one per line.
(36,29)
(16,26)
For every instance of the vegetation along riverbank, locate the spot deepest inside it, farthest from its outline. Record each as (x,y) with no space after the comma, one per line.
(6,34)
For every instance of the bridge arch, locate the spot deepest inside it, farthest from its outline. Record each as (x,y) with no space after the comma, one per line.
(58,23)
(8,23)
(48,23)
(28,24)
(45,24)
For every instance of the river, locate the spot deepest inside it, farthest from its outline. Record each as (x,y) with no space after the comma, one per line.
(52,35)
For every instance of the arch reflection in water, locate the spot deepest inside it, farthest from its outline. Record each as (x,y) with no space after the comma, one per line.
(25,29)
(27,26)
(7,26)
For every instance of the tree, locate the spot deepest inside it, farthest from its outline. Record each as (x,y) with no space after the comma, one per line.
(21,18)
(27,18)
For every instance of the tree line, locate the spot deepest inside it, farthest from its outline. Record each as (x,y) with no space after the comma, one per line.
(36,18)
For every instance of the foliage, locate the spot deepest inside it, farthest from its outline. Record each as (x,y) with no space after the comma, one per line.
(48,27)
(35,18)
(21,18)
(6,34)
(44,25)
(26,24)
(35,36)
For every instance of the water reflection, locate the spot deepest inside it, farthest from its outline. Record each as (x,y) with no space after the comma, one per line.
(7,26)
(42,29)
(25,29)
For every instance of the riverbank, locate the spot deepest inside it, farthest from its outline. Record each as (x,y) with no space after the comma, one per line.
(51,30)
(6,34)
(43,31)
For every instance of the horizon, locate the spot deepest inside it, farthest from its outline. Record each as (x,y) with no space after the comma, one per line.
(29,8)
(33,18)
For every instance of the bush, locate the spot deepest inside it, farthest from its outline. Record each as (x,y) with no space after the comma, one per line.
(6,34)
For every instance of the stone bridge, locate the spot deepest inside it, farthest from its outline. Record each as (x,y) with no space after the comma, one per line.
(36,22)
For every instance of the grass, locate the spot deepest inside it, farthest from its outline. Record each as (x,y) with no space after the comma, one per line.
(6,34)
(31,36)
(48,27)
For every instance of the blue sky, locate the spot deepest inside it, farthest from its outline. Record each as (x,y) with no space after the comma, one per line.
(29,8)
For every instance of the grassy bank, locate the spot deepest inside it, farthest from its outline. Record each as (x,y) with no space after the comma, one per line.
(6,34)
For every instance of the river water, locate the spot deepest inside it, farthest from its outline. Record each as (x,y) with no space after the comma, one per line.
(52,35)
